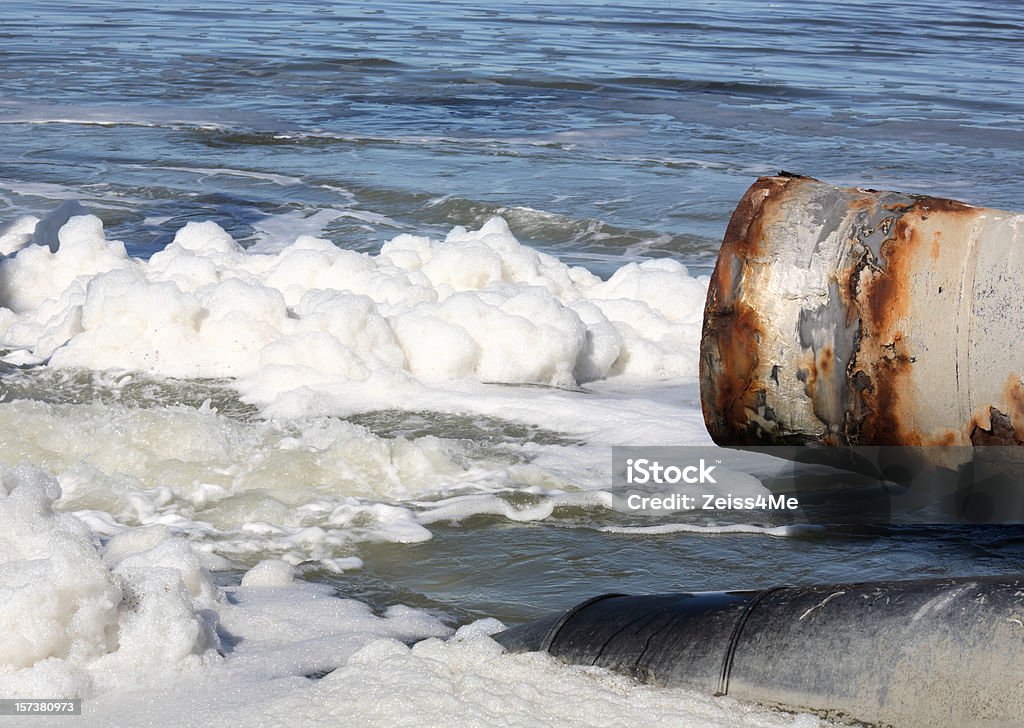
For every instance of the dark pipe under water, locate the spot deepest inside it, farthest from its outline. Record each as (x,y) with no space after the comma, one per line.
(936,652)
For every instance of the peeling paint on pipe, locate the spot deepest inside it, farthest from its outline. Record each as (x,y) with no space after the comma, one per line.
(906,654)
(856,317)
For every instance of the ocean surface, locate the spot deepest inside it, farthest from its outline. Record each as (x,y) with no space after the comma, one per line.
(415,403)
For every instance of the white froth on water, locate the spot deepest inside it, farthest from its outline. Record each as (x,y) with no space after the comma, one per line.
(272,229)
(373,678)
(313,331)
(300,490)
(536,508)
(477,306)
(17,233)
(312,489)
(137,629)
(112,600)
(77,620)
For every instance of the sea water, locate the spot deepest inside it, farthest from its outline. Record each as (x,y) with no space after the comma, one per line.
(319,322)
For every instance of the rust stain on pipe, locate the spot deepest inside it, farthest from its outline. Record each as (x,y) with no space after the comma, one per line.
(859,317)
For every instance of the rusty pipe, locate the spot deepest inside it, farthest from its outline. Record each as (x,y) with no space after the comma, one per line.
(840,316)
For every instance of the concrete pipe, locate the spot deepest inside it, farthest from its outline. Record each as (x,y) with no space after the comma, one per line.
(856,317)
(906,654)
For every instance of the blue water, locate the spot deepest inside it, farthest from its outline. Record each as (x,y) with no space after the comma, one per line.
(603,132)
(600,130)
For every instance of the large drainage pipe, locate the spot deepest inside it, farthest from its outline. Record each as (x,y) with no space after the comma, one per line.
(940,652)
(857,317)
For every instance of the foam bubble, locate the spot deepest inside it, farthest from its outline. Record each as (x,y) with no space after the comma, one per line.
(270,572)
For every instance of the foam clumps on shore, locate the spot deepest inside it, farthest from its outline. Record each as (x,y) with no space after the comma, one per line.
(476,306)
(78,618)
(82,619)
(466,680)
(470,680)
(136,624)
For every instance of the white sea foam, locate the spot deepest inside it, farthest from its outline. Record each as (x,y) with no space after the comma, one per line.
(273,230)
(313,331)
(301,490)
(138,630)
(477,306)
(536,508)
(278,179)
(33,111)
(76,620)
(92,195)
(17,233)
(135,624)
(298,490)
(374,678)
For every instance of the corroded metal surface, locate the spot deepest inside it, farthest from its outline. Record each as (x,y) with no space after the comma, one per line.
(857,317)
